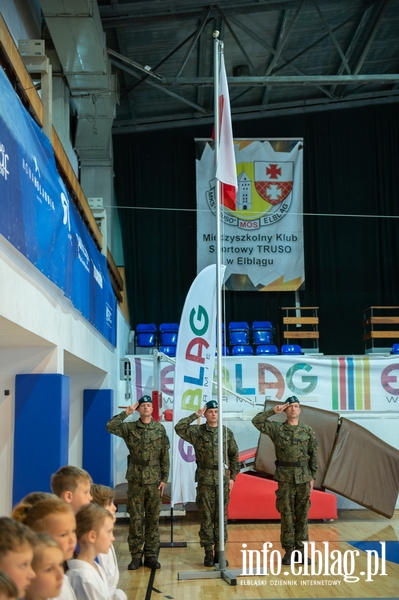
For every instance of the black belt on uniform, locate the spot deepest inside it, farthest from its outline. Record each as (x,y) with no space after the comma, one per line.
(298,463)
(203,465)
(144,463)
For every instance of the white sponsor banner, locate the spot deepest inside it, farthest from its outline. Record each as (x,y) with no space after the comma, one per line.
(195,358)
(263,237)
(340,383)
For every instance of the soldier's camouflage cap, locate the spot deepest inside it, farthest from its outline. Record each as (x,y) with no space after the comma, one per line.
(145,399)
(211,404)
(291,400)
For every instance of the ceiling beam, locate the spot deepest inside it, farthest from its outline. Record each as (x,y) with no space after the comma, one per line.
(332,36)
(354,41)
(255,112)
(153,11)
(277,80)
(151,82)
(371,38)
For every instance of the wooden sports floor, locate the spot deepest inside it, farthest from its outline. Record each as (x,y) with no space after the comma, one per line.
(355,531)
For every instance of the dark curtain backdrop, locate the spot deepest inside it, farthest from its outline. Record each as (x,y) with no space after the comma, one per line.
(351,165)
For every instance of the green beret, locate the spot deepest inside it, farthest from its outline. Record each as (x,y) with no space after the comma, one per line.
(291,400)
(145,399)
(211,404)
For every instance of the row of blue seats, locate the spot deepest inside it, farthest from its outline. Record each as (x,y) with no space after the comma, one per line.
(271,349)
(147,334)
(246,350)
(240,333)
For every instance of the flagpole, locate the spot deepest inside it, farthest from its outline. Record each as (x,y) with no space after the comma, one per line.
(219,48)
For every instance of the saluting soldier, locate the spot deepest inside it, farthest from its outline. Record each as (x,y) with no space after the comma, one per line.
(147,474)
(296,466)
(204,438)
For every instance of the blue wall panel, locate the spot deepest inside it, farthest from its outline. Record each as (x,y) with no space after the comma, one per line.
(41,435)
(97,442)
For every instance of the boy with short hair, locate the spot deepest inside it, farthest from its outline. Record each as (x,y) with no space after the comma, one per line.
(16,552)
(104,496)
(72,485)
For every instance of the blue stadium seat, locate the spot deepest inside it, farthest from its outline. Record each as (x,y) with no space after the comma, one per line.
(262,332)
(168,334)
(291,349)
(238,333)
(146,335)
(225,351)
(168,350)
(395,349)
(266,349)
(241,350)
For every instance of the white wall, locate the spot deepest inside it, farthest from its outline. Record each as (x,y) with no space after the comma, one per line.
(41,332)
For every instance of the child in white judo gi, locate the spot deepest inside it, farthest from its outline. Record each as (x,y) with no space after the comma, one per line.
(94,530)
(56,518)
(104,496)
(48,564)
(16,552)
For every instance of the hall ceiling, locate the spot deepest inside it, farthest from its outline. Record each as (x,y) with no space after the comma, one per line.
(282,56)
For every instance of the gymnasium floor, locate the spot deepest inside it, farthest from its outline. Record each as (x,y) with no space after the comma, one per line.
(356,535)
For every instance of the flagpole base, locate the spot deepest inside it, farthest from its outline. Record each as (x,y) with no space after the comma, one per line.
(173,545)
(228,575)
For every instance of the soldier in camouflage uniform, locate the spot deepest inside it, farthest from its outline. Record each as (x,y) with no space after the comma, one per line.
(147,474)
(204,438)
(296,466)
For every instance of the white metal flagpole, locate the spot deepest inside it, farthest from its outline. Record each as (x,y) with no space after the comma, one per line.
(229,576)
(218,46)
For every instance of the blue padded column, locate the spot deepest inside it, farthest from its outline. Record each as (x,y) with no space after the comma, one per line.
(41,435)
(97,442)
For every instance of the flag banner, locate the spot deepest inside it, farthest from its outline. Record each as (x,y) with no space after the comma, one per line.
(262,234)
(195,358)
(226,168)
(365,384)
(41,221)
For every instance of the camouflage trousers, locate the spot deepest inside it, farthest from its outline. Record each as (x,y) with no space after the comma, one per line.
(293,503)
(207,501)
(144,506)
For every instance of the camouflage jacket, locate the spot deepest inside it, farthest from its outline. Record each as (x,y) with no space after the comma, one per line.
(293,443)
(205,442)
(148,446)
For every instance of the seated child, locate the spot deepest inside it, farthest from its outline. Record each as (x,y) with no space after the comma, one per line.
(34,497)
(8,589)
(16,553)
(94,530)
(72,485)
(57,519)
(48,564)
(104,496)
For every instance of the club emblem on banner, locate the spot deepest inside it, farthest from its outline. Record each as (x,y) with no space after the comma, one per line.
(274,181)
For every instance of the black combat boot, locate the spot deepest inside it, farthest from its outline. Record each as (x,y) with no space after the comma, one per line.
(151,562)
(135,563)
(209,560)
(301,556)
(216,558)
(287,556)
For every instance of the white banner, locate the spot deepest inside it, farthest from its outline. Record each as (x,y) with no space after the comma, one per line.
(340,383)
(262,238)
(195,358)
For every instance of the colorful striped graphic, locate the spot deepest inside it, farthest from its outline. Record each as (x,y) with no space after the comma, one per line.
(350,377)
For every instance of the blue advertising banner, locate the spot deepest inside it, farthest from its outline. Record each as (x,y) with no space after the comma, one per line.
(40,220)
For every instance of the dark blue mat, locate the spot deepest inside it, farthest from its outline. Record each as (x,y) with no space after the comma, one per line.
(391,549)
